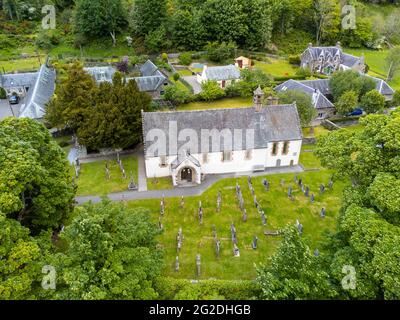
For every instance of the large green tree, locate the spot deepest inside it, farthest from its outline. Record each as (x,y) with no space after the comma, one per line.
(148,15)
(350,80)
(373,102)
(304,104)
(35,185)
(111,254)
(294,272)
(100,18)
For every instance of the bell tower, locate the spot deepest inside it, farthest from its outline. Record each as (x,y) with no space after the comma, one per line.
(258,99)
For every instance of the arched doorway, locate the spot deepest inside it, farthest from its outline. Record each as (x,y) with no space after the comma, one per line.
(278,162)
(187,175)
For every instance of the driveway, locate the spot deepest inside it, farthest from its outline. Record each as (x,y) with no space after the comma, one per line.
(192,80)
(5,110)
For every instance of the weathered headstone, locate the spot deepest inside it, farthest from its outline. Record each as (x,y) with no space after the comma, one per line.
(254,243)
(266,184)
(218,248)
(198,265)
(316,253)
(236,251)
(307,192)
(201,215)
(182,204)
(263,219)
(244,217)
(177,264)
(219,201)
(330,184)
(296,179)
(214,232)
(299,227)
(322,189)
(160,225)
(300,182)
(323,213)
(132,186)
(107,172)
(233,234)
(290,191)
(312,198)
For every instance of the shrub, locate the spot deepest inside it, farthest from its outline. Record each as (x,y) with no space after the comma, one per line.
(185,58)
(164,57)
(295,59)
(176,76)
(7,42)
(396,99)
(211,91)
(347,102)
(373,102)
(219,52)
(3,94)
(176,95)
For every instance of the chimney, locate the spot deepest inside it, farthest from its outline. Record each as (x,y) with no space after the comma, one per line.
(310,45)
(338,45)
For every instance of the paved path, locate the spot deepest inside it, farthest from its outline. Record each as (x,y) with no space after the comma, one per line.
(142,177)
(186,192)
(192,80)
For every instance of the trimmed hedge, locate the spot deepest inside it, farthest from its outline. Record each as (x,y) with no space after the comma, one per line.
(170,288)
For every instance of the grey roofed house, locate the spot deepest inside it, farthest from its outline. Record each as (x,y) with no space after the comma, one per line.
(271,124)
(101,74)
(383,88)
(13,80)
(316,89)
(222,73)
(149,69)
(39,94)
(149,84)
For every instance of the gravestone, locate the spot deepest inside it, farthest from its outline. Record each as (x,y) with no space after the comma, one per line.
(219,201)
(162,207)
(198,265)
(299,227)
(233,234)
(316,253)
(177,264)
(282,183)
(244,217)
(312,198)
(322,189)
(218,248)
(236,251)
(214,232)
(132,186)
(300,182)
(266,184)
(307,192)
(108,177)
(160,225)
(296,179)
(182,204)
(323,213)
(201,215)
(290,191)
(263,219)
(330,184)
(303,188)
(254,243)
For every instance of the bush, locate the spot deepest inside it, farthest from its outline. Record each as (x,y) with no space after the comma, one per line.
(175,289)
(176,76)
(295,60)
(7,42)
(177,95)
(185,58)
(164,57)
(396,99)
(47,39)
(3,94)
(211,91)
(373,102)
(220,52)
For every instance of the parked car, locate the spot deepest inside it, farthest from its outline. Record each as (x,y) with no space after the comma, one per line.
(356,112)
(14,99)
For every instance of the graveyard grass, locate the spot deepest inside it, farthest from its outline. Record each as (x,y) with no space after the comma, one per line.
(92,179)
(280,211)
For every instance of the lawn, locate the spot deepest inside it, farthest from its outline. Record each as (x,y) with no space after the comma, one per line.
(376,60)
(26,64)
(279,209)
(318,131)
(185,72)
(218,104)
(93,181)
(276,67)
(159,183)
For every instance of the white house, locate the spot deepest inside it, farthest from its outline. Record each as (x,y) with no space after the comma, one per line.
(224,75)
(188,145)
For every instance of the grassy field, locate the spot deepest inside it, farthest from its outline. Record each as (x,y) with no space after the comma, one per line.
(376,59)
(218,104)
(318,131)
(159,184)
(279,209)
(92,179)
(277,67)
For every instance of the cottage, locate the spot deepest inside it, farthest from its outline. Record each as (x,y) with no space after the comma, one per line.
(224,75)
(326,60)
(34,88)
(243,63)
(319,92)
(189,145)
(383,88)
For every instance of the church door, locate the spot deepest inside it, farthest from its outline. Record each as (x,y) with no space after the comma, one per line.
(187,175)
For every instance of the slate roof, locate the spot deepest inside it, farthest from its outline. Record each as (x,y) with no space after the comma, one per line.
(316,89)
(40,94)
(148,69)
(271,124)
(382,86)
(222,73)
(101,74)
(347,60)
(18,79)
(181,158)
(149,84)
